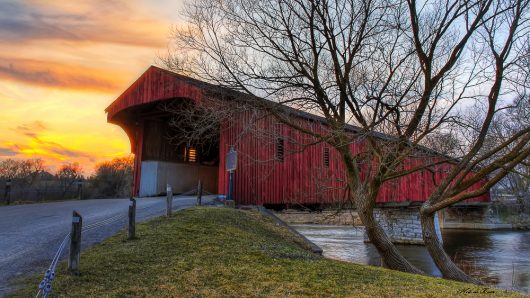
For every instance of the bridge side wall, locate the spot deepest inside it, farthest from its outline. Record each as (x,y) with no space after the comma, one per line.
(308,175)
(402,225)
(182,177)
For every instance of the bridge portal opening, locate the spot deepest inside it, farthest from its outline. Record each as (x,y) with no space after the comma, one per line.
(173,151)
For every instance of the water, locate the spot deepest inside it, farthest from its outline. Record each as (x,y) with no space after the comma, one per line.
(499,258)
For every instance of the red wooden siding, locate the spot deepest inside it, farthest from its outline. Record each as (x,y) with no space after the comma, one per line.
(301,178)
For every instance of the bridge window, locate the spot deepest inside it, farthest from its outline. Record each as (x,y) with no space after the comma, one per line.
(279,149)
(190,154)
(326,157)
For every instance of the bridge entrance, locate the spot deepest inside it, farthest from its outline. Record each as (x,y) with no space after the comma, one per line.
(168,157)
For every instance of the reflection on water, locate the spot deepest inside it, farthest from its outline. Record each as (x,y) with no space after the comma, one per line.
(499,258)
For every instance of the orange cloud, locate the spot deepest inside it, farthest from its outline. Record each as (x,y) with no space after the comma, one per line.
(61,75)
(117,21)
(31,129)
(36,144)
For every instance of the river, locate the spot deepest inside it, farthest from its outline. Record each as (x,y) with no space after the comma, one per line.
(499,258)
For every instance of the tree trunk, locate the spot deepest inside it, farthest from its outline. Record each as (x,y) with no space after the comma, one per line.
(448,268)
(392,258)
(365,202)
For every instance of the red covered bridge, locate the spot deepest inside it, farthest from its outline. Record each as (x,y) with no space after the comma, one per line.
(268,173)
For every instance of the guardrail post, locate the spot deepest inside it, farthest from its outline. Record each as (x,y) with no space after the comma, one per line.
(199,193)
(132,219)
(169,200)
(75,242)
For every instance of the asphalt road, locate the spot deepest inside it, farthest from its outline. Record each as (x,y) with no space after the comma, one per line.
(30,234)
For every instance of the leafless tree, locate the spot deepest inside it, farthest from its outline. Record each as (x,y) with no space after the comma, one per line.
(500,45)
(505,124)
(399,67)
(24,172)
(68,174)
(512,191)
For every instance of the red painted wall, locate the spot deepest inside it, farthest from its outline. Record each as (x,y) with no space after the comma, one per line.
(302,177)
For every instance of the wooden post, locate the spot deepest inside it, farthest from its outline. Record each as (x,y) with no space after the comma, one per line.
(75,242)
(132,219)
(7,193)
(169,200)
(199,193)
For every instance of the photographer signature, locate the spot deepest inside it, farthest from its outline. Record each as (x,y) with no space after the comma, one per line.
(477,291)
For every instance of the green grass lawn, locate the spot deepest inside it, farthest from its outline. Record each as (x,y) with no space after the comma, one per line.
(222,252)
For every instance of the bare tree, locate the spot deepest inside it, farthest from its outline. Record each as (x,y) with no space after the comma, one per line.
(515,186)
(24,172)
(505,124)
(500,45)
(396,67)
(68,175)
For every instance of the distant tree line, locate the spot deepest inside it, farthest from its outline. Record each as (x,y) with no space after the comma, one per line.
(29,180)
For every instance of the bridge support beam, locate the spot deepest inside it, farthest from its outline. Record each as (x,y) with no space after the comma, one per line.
(402,225)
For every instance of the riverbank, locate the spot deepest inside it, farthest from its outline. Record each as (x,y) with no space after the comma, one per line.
(497,257)
(220,252)
(494,216)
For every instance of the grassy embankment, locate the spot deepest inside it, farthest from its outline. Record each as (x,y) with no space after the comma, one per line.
(220,252)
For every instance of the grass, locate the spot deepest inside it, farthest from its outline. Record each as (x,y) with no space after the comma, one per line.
(222,252)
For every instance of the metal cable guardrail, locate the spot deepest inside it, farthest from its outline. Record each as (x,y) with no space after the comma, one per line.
(45,286)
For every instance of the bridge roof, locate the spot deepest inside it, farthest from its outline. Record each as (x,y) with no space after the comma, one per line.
(157,84)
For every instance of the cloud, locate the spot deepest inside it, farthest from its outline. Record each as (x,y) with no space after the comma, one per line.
(37,145)
(32,127)
(52,74)
(117,21)
(4,152)
(16,25)
(58,149)
(48,149)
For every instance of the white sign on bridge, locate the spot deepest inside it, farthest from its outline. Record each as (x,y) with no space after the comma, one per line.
(231,160)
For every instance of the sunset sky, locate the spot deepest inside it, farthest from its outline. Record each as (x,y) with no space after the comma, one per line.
(62,63)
